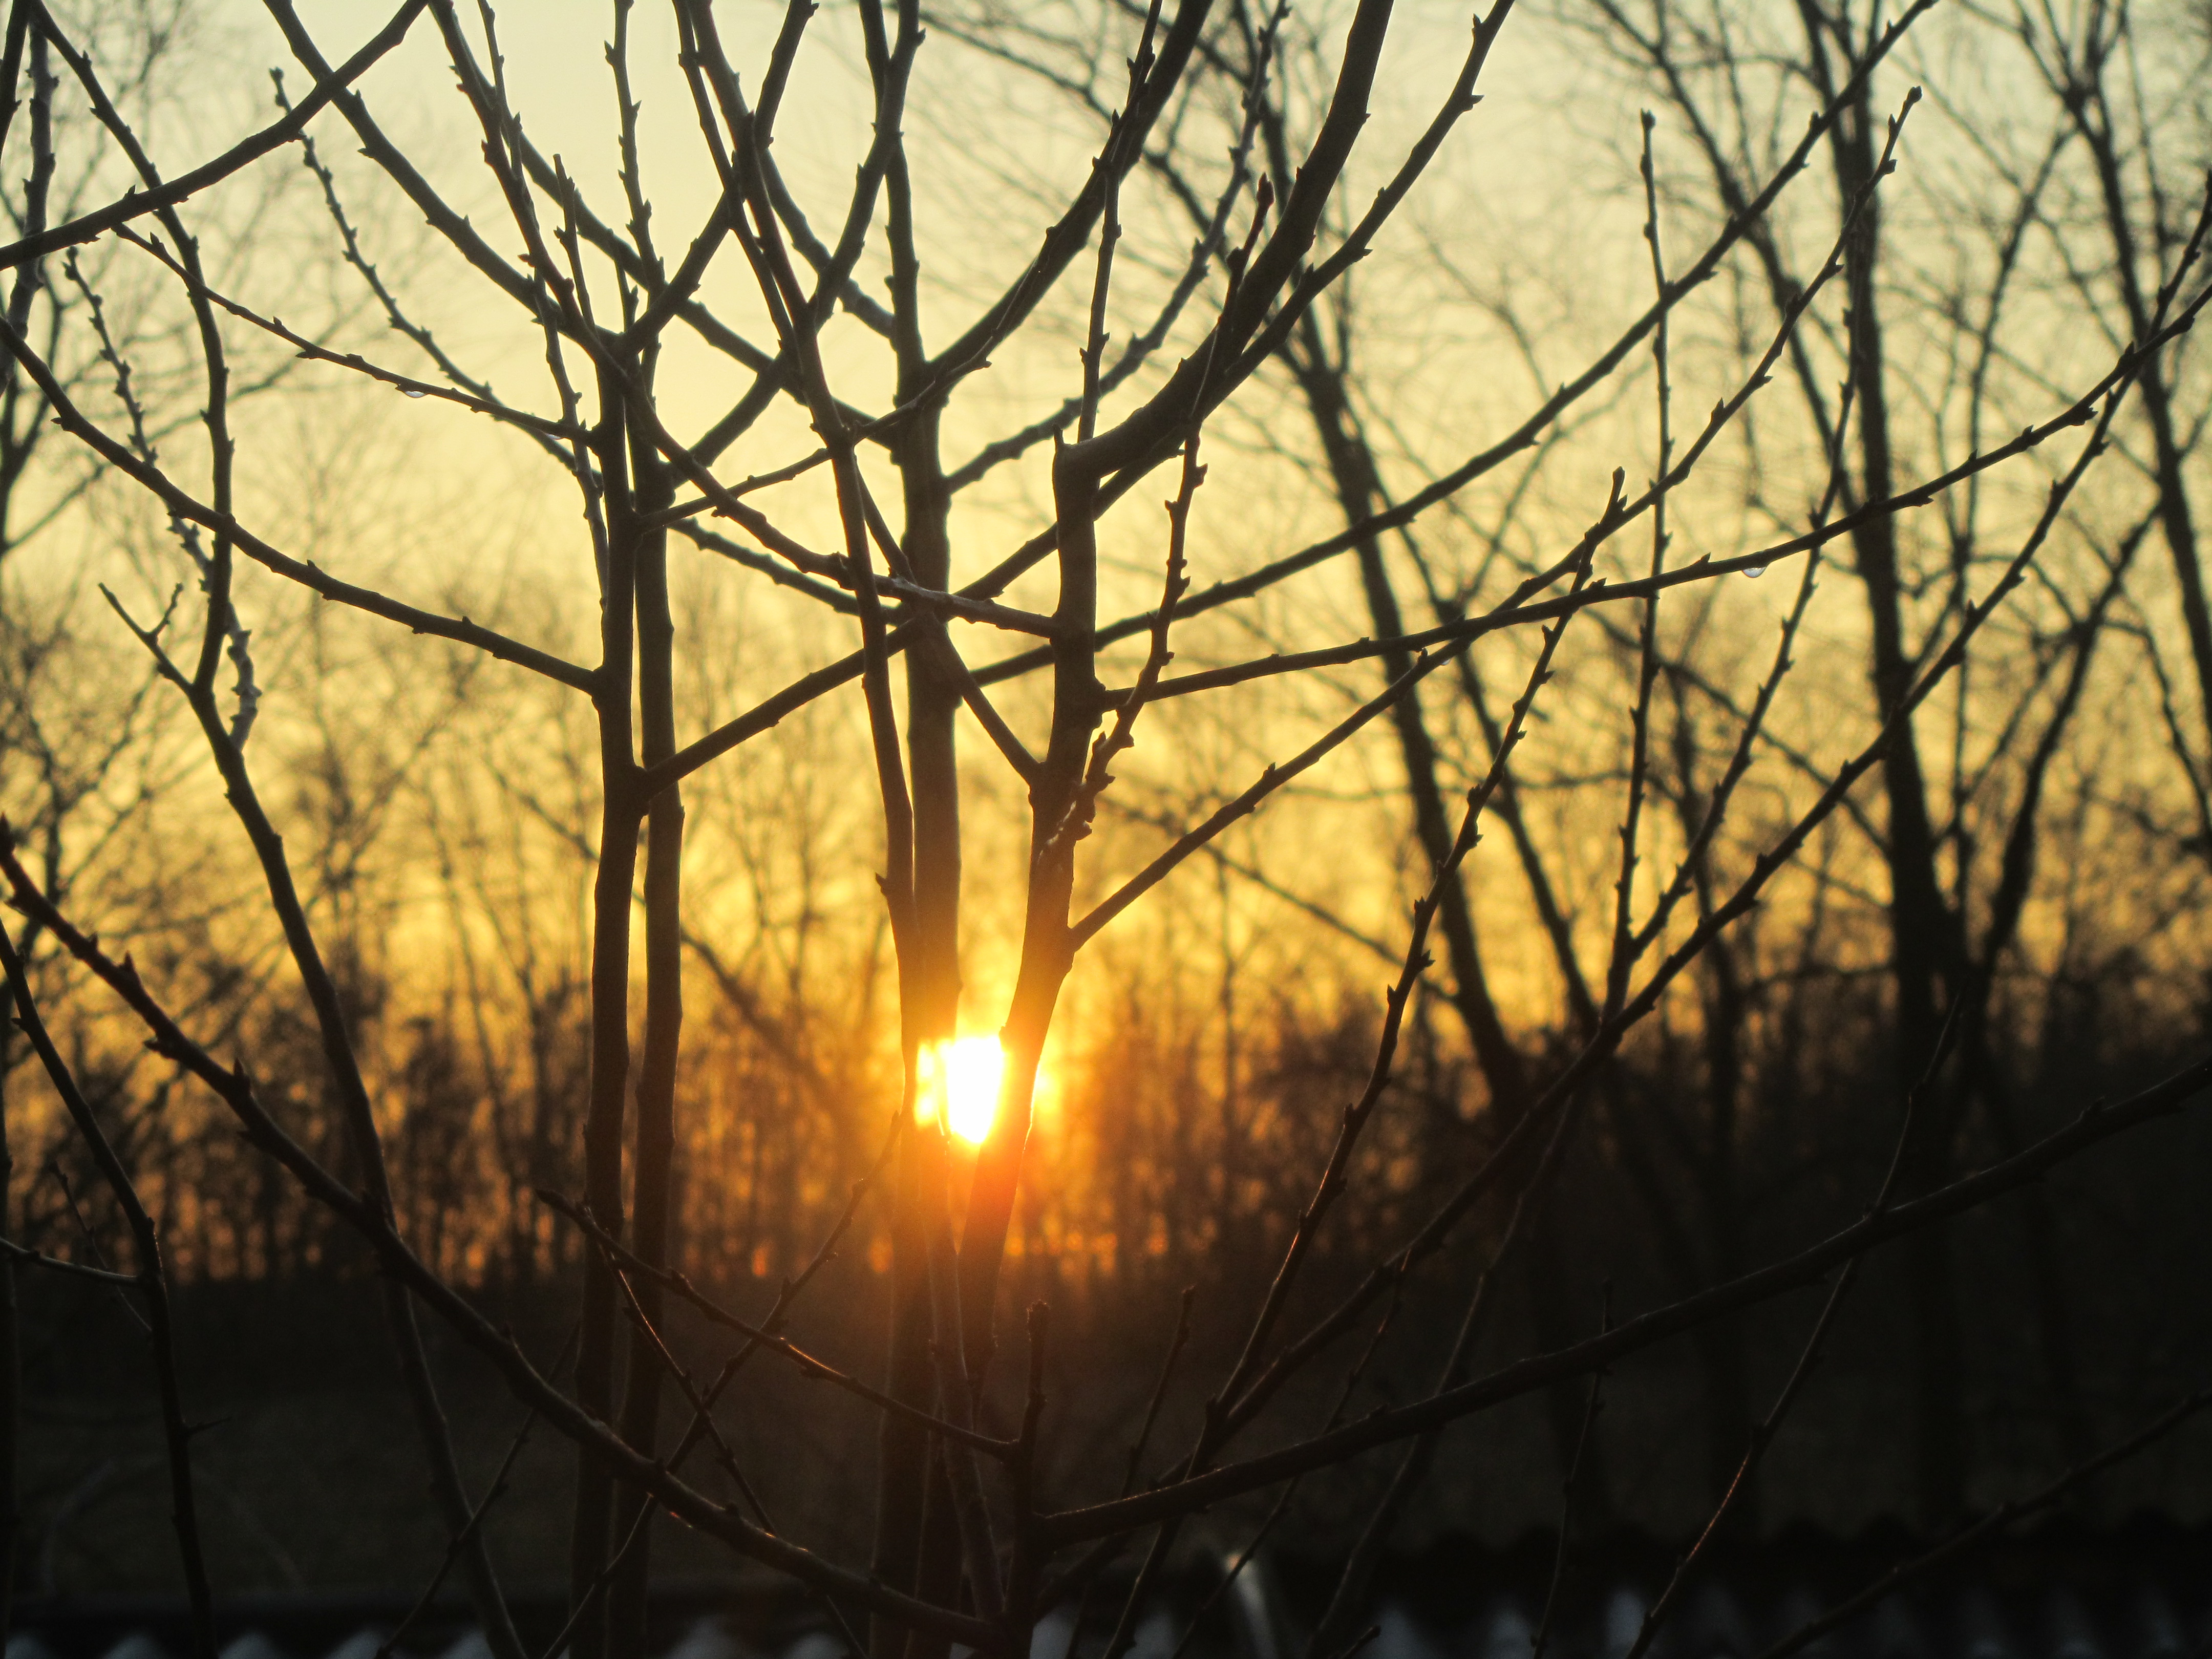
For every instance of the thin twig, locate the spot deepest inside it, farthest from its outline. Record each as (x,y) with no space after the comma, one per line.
(151,1281)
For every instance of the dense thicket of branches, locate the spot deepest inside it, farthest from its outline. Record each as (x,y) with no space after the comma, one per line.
(536,905)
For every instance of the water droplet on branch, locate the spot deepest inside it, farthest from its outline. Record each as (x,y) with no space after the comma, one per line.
(414,391)
(1754,571)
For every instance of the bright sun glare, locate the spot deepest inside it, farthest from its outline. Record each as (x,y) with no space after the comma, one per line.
(960,1079)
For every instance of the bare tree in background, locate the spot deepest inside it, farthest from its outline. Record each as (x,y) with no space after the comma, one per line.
(1723,73)
(982,1522)
(2038,180)
(79,742)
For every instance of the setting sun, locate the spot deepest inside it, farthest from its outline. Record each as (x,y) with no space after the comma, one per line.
(960,1078)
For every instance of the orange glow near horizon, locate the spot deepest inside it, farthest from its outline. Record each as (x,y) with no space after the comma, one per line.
(959,1081)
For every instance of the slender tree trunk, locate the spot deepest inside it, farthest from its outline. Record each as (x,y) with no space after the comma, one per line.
(1359,488)
(664,1023)
(914,1547)
(1723,1345)
(933,705)
(1924,954)
(902,1447)
(619,823)
(1351,470)
(2177,522)
(1048,950)
(914,1544)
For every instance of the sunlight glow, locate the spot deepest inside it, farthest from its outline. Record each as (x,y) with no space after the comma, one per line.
(959,1081)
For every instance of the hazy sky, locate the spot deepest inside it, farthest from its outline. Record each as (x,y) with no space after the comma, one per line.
(1535,197)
